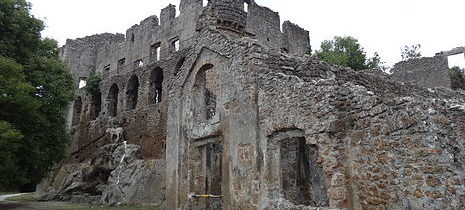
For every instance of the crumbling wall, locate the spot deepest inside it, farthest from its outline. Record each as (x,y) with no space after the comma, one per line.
(427,72)
(265,25)
(380,143)
(295,39)
(227,122)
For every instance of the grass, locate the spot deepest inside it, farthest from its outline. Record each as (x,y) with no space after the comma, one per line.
(7,193)
(23,198)
(85,207)
(68,206)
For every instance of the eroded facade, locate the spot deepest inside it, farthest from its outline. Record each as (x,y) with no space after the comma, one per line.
(218,109)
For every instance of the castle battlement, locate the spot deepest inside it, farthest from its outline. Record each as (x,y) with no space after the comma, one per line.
(155,39)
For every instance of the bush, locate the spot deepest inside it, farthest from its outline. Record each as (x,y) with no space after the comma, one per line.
(457,79)
(92,84)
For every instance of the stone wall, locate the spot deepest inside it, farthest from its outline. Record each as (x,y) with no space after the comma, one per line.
(296,39)
(229,122)
(265,24)
(427,72)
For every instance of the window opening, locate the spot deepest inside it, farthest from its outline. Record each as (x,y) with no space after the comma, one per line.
(175,45)
(82,82)
(121,62)
(138,63)
(155,51)
(205,92)
(156,86)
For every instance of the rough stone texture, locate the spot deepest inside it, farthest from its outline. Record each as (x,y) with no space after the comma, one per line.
(296,38)
(260,128)
(455,51)
(427,72)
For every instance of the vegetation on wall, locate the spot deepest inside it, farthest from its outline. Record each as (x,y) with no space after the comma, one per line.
(410,52)
(92,83)
(346,51)
(457,78)
(35,89)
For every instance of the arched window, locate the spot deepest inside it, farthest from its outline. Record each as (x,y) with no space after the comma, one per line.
(112,100)
(205,92)
(156,86)
(77,108)
(132,93)
(96,104)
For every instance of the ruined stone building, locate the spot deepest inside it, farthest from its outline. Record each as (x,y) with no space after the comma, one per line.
(430,71)
(222,101)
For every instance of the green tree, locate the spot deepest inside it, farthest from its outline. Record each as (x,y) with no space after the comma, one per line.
(346,51)
(10,140)
(35,88)
(457,79)
(411,52)
(92,83)
(19,30)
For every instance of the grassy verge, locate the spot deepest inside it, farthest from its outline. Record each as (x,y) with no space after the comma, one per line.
(7,193)
(23,198)
(85,207)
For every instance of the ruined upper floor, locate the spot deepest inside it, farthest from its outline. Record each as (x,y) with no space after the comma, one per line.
(158,38)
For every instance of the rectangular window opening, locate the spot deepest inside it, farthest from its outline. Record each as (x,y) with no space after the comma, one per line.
(106,67)
(155,50)
(121,62)
(175,45)
(138,63)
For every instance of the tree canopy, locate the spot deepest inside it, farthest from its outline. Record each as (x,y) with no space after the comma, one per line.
(35,89)
(346,51)
(411,52)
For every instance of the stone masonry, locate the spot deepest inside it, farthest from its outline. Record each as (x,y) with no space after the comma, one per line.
(427,71)
(218,109)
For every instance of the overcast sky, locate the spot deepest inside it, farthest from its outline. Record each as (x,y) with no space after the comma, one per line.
(380,26)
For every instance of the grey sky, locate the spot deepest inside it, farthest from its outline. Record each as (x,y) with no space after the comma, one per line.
(380,26)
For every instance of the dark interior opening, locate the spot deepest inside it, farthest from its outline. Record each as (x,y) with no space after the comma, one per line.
(132,92)
(112,100)
(96,104)
(77,108)
(302,178)
(156,86)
